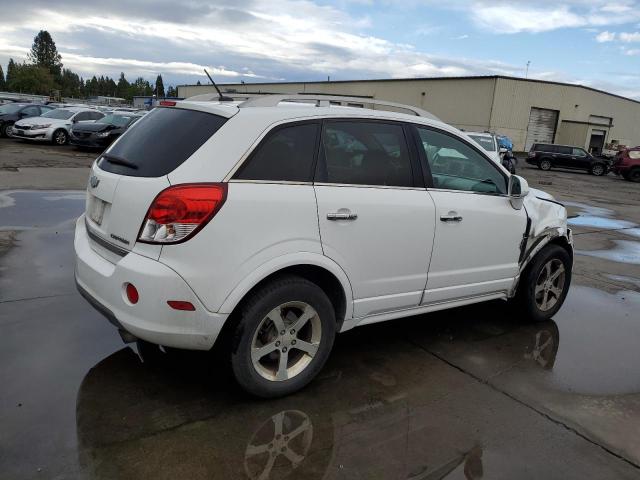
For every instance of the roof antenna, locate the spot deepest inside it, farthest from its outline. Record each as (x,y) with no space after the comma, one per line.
(221,97)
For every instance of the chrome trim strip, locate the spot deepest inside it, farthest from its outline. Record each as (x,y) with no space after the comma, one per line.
(121,252)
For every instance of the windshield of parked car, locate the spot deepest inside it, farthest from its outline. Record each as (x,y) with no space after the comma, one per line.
(59,114)
(485,142)
(117,120)
(10,108)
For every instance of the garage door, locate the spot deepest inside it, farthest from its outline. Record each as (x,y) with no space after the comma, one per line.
(542,126)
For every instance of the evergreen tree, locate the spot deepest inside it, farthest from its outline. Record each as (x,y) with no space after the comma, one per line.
(45,54)
(198,83)
(159,87)
(171,92)
(31,79)
(122,88)
(3,85)
(11,70)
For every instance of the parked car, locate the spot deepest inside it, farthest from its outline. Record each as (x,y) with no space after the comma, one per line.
(505,142)
(54,125)
(12,112)
(627,164)
(268,226)
(547,156)
(500,154)
(102,132)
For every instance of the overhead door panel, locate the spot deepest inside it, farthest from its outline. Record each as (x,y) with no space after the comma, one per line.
(542,126)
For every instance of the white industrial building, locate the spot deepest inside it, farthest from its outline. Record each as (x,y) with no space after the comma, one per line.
(527,111)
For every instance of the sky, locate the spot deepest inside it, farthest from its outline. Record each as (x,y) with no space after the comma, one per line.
(592,42)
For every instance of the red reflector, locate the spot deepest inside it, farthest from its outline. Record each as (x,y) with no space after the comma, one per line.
(167,103)
(181,305)
(132,293)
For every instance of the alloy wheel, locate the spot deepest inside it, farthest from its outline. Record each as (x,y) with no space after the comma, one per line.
(545,165)
(60,138)
(550,285)
(597,170)
(286,341)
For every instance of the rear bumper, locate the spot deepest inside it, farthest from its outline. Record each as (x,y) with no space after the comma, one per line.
(102,284)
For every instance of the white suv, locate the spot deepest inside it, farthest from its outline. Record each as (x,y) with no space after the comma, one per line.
(271,224)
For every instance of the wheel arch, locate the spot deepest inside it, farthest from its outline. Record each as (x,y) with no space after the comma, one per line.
(314,267)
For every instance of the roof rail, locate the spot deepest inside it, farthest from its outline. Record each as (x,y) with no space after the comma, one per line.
(206,97)
(325,101)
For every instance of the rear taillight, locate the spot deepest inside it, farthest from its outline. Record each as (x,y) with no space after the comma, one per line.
(178,212)
(532,154)
(167,103)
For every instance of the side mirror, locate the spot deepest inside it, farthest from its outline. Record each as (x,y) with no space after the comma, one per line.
(75,120)
(518,189)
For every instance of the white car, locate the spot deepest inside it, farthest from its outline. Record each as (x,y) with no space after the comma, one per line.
(268,226)
(54,126)
(490,143)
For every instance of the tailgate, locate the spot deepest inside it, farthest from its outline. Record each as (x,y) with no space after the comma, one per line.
(117,204)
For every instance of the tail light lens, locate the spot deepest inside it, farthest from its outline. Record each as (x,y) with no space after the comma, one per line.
(179,212)
(532,154)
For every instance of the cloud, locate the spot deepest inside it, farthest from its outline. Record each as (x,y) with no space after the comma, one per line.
(605,36)
(630,37)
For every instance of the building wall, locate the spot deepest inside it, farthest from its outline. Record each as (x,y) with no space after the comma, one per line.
(514,99)
(498,104)
(572,134)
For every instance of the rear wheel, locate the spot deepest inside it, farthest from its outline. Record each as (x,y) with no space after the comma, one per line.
(545,165)
(598,169)
(60,137)
(545,283)
(283,338)
(634,175)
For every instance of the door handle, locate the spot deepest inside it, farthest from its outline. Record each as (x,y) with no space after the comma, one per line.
(451,217)
(342,216)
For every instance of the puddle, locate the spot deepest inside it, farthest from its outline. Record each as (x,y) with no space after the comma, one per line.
(624,279)
(25,209)
(583,215)
(625,251)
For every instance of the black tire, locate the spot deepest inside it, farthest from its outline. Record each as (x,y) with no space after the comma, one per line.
(4,129)
(544,165)
(634,175)
(283,290)
(60,137)
(598,169)
(526,296)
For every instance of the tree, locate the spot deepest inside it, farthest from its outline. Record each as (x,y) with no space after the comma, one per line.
(11,69)
(31,79)
(159,87)
(198,83)
(45,54)
(171,92)
(122,88)
(3,85)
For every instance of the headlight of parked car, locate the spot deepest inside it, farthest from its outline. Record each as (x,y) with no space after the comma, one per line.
(43,125)
(102,134)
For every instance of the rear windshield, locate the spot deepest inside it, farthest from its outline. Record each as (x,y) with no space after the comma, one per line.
(160,142)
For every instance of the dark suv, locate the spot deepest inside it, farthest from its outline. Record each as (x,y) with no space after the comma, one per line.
(546,156)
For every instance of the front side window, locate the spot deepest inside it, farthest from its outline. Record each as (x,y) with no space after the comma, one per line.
(578,152)
(31,111)
(286,154)
(455,165)
(564,150)
(365,153)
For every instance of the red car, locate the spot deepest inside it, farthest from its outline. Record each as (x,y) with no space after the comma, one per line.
(627,164)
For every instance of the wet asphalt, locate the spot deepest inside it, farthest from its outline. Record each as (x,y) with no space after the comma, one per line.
(467,393)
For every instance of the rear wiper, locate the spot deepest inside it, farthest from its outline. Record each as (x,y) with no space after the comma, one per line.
(119,161)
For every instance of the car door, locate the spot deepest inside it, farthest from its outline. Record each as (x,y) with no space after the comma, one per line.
(565,157)
(478,233)
(580,158)
(376,219)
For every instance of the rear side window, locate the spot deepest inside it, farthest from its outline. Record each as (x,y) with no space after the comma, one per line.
(365,153)
(545,148)
(160,142)
(286,154)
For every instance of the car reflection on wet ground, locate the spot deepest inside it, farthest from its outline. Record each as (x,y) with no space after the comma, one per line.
(469,393)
